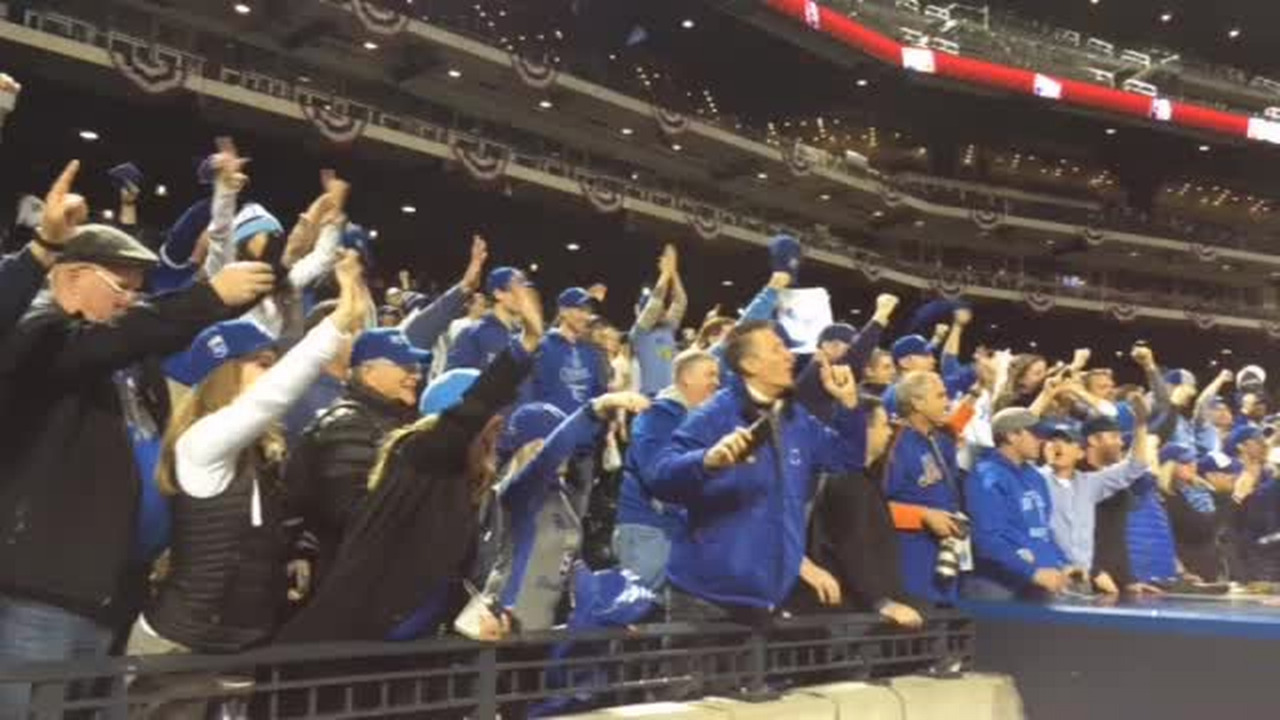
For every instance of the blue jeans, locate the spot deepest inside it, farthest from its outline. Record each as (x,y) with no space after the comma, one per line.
(644,550)
(34,632)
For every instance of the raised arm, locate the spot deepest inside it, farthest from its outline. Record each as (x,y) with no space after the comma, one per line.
(1210,392)
(425,325)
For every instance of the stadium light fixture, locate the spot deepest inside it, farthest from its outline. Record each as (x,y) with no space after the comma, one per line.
(162,191)
(545,104)
(1166,17)
(627,131)
(862,82)
(408,210)
(455,73)
(89,135)
(1111,131)
(370,45)
(573,247)
(688,24)
(1234,33)
(242,8)
(1204,148)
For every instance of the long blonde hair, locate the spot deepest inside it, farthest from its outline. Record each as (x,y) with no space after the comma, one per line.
(215,392)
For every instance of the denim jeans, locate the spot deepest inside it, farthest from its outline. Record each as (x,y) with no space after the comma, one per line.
(644,550)
(34,632)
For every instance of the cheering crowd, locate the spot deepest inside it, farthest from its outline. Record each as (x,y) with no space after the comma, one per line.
(221,441)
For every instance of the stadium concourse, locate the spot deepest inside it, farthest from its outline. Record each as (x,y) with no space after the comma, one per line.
(736,359)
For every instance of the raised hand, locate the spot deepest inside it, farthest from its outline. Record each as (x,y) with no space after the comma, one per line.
(475,268)
(353,309)
(631,402)
(963,316)
(839,382)
(243,283)
(63,209)
(599,292)
(529,310)
(1142,355)
(730,450)
(886,303)
(229,165)
(780,280)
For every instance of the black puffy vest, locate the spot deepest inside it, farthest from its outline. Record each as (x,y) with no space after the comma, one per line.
(227,583)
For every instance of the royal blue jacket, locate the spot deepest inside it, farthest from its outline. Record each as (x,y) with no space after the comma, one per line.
(479,343)
(1011,508)
(747,524)
(566,374)
(20,279)
(650,433)
(923,473)
(1153,556)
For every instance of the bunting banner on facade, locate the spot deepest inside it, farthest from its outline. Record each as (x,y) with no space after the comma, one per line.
(1122,311)
(535,74)
(798,161)
(379,20)
(871,271)
(151,72)
(335,126)
(986,219)
(1039,301)
(669,121)
(1204,253)
(890,196)
(602,197)
(1094,236)
(705,221)
(486,163)
(947,288)
(1271,328)
(1202,320)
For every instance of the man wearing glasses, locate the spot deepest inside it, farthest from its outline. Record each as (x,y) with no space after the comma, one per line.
(82,384)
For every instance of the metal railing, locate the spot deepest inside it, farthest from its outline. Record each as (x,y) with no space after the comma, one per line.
(452,677)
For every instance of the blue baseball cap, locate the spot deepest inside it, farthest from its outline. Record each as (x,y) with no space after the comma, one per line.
(1059,430)
(126,176)
(842,332)
(534,421)
(1180,377)
(447,390)
(501,279)
(253,219)
(785,254)
(1100,424)
(576,297)
(1216,462)
(216,345)
(1178,453)
(1240,435)
(932,313)
(910,345)
(389,344)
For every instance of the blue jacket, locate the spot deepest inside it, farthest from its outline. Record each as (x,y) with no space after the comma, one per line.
(566,374)
(545,533)
(1153,556)
(20,280)
(478,344)
(747,524)
(425,325)
(650,433)
(176,269)
(917,474)
(1011,508)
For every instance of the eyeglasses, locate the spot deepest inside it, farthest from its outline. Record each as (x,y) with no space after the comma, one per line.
(113,284)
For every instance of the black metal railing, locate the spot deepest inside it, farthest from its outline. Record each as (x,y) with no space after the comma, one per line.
(535,673)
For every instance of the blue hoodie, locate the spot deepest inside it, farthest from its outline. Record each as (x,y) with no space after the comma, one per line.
(546,533)
(923,473)
(566,374)
(479,343)
(1011,508)
(748,523)
(1153,556)
(650,433)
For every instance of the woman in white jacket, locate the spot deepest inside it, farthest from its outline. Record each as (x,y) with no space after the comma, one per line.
(226,581)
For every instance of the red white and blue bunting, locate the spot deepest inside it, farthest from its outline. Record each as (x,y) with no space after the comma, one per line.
(948,288)
(1122,311)
(798,161)
(1202,320)
(812,14)
(1204,253)
(669,121)
(1271,328)
(705,222)
(871,271)
(1039,301)
(335,126)
(151,72)
(890,195)
(1094,236)
(379,20)
(602,197)
(486,163)
(535,74)
(987,219)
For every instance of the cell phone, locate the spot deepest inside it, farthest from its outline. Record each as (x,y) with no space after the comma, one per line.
(759,431)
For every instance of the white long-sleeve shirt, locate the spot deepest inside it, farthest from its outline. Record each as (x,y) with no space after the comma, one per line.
(206,454)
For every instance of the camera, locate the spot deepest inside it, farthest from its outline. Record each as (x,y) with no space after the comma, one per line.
(947,566)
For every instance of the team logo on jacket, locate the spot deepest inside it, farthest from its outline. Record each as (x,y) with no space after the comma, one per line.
(795,458)
(575,377)
(1027,555)
(930,473)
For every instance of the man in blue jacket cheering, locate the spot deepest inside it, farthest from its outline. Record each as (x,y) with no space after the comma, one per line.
(1011,510)
(744,465)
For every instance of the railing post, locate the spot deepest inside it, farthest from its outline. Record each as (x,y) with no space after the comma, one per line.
(487,684)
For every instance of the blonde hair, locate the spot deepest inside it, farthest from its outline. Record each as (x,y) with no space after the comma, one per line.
(215,392)
(393,442)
